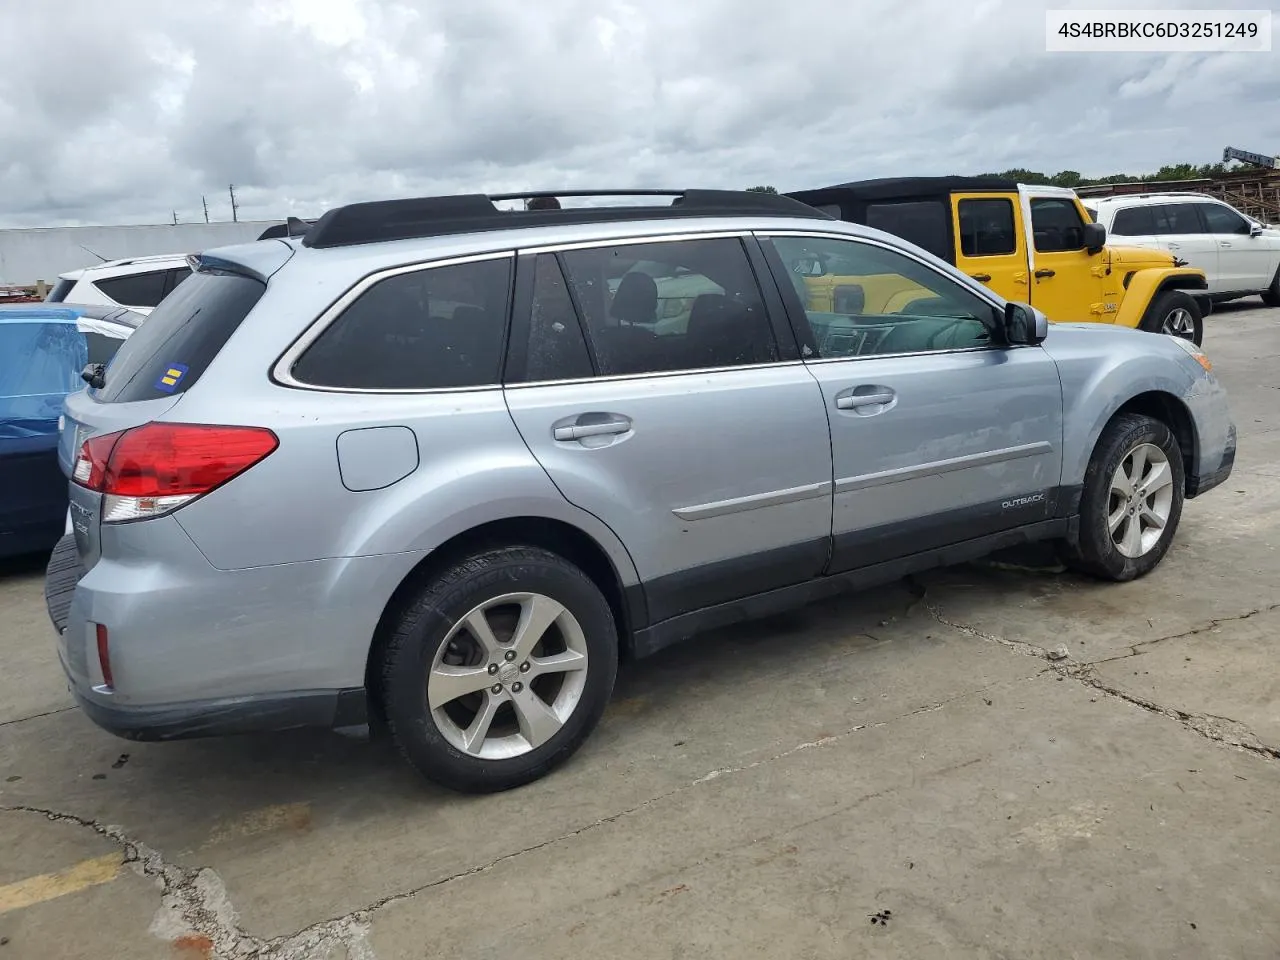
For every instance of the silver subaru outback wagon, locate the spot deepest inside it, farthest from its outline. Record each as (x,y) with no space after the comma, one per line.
(438,466)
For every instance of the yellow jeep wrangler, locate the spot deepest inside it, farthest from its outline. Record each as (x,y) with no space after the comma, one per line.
(1032,244)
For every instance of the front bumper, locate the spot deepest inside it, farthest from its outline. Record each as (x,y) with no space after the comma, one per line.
(1198,484)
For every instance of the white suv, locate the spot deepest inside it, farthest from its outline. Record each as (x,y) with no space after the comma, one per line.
(1239,255)
(139,283)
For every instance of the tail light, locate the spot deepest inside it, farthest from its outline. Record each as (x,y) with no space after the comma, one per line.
(154,469)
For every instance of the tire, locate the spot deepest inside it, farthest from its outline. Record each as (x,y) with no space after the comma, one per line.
(1177,314)
(1271,295)
(1112,557)
(432,655)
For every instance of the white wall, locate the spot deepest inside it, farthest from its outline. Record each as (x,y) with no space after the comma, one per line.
(27,256)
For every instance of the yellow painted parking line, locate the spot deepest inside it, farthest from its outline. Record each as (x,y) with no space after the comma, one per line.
(50,886)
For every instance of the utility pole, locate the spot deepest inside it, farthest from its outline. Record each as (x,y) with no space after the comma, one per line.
(206,209)
(175,218)
(235,218)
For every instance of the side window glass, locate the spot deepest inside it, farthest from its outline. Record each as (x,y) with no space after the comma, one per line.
(869,301)
(1177,218)
(986,228)
(135,290)
(922,222)
(557,348)
(432,328)
(1222,219)
(683,305)
(1133,222)
(176,276)
(1056,225)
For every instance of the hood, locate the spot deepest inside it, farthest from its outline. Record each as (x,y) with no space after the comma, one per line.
(1134,257)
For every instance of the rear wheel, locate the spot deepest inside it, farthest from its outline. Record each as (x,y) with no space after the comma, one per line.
(1177,314)
(499,670)
(1131,502)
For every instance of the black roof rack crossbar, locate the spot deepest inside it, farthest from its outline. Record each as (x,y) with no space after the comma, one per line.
(420,217)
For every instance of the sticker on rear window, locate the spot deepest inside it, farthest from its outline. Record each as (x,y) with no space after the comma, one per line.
(171,377)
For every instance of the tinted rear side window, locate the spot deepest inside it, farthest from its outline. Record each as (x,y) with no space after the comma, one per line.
(136,290)
(986,228)
(432,328)
(923,223)
(101,347)
(1133,222)
(59,292)
(1177,218)
(172,349)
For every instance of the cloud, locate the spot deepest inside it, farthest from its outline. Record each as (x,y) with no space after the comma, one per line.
(124,112)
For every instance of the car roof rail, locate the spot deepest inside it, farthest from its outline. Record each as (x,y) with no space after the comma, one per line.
(421,217)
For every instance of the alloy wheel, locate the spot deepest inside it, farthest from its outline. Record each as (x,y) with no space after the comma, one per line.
(1141,500)
(1179,323)
(508,676)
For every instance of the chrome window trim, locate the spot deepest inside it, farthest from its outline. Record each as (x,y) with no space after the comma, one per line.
(611,378)
(983,293)
(632,240)
(282,371)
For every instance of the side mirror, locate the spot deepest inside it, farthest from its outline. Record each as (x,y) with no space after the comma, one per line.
(1095,237)
(1024,325)
(1255,229)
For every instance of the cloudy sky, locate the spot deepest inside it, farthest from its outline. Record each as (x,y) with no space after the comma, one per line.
(119,111)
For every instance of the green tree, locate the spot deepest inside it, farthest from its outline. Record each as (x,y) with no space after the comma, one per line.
(762,189)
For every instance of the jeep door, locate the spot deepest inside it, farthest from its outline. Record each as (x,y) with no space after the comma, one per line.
(1063,283)
(939,434)
(991,244)
(703,444)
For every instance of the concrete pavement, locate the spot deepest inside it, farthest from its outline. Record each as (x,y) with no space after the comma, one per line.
(901,775)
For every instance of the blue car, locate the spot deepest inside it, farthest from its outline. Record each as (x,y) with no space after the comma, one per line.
(44,349)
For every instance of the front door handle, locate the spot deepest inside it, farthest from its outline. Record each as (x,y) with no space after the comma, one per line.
(1045,272)
(981,277)
(853,401)
(576,431)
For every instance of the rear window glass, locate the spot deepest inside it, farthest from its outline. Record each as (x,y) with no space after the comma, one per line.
(179,340)
(60,290)
(922,222)
(1133,222)
(432,328)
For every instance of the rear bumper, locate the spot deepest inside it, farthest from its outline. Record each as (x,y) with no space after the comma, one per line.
(217,718)
(1197,485)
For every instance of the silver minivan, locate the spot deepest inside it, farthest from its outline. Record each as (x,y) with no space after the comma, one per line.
(439,466)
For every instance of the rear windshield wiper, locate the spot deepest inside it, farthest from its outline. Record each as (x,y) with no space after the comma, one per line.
(94,375)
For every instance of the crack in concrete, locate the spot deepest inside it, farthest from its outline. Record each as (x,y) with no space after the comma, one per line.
(365,913)
(1135,650)
(1222,730)
(196,910)
(36,716)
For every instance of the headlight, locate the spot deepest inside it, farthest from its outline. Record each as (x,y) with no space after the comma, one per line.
(1195,352)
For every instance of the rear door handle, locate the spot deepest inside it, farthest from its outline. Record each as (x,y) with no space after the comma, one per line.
(853,401)
(1223,243)
(576,431)
(1174,246)
(981,277)
(1045,272)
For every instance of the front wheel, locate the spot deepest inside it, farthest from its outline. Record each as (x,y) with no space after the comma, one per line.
(499,670)
(1177,314)
(1131,502)
(1271,295)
